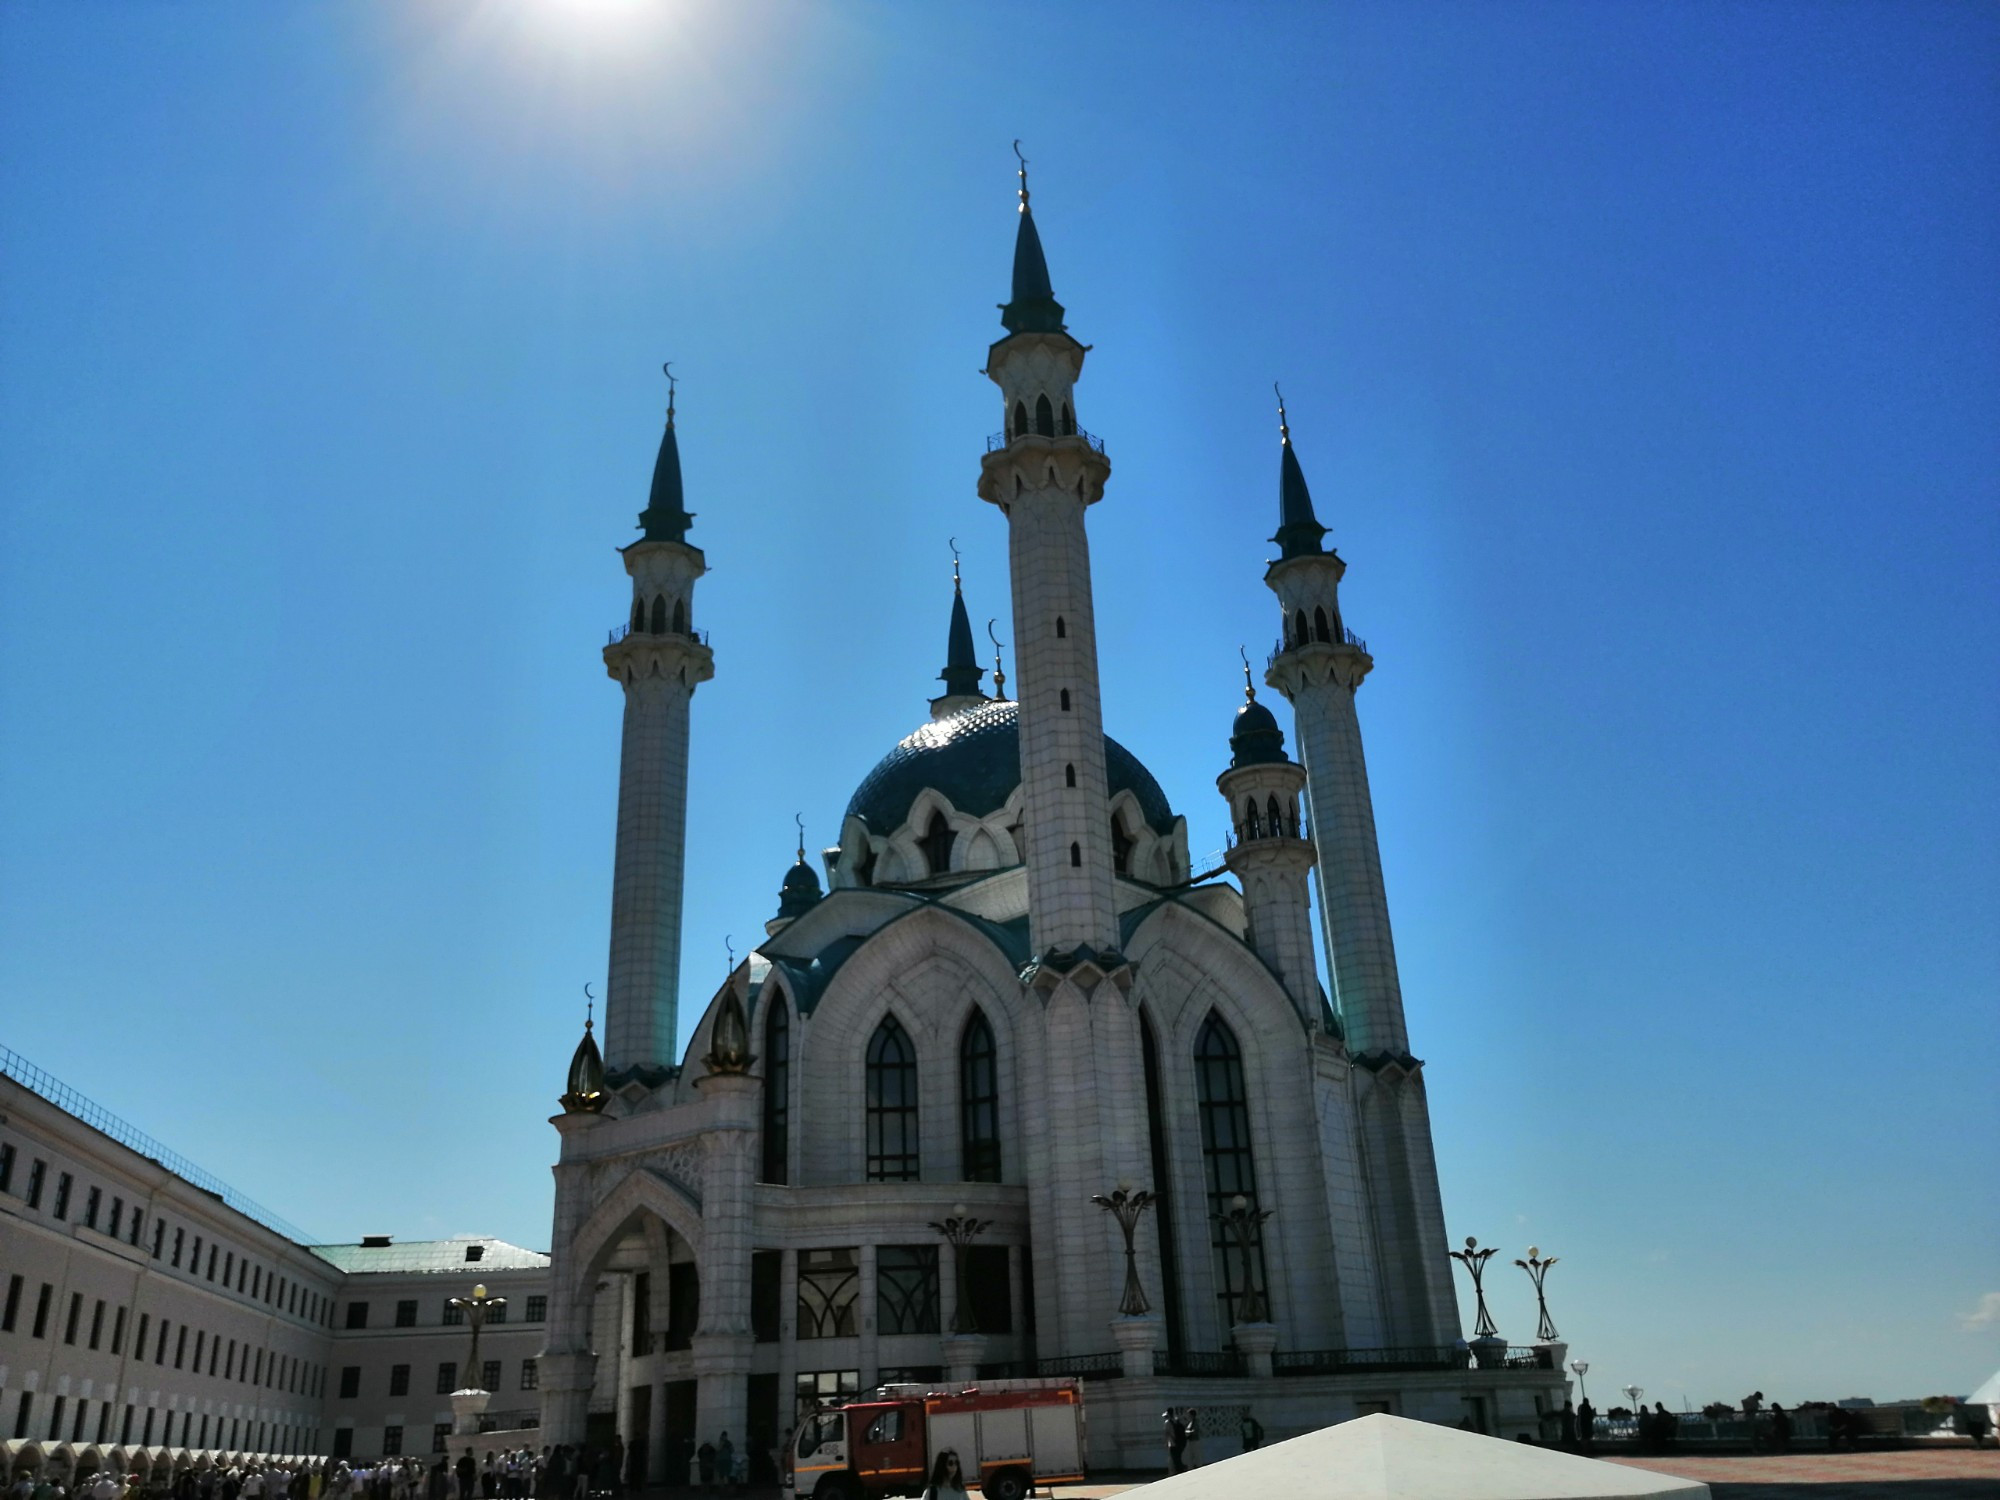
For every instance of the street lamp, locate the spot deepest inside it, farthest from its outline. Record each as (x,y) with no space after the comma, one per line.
(475,1309)
(1538,1270)
(959,1229)
(1632,1394)
(1126,1205)
(1243,1221)
(1474,1260)
(1581,1367)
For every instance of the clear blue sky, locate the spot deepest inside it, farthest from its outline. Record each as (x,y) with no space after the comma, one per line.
(1642,358)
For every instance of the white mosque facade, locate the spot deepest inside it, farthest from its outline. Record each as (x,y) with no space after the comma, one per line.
(1014,997)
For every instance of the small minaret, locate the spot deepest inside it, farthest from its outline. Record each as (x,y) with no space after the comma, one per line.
(658,659)
(962,671)
(1318,666)
(1269,852)
(798,892)
(1043,471)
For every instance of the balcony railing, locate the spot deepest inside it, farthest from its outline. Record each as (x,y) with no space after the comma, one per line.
(1347,638)
(1000,440)
(1199,1362)
(620,632)
(1086,1366)
(1339,1361)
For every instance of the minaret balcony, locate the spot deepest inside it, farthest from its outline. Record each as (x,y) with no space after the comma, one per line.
(1000,440)
(699,637)
(1346,638)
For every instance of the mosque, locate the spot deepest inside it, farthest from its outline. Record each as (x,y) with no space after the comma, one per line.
(911,1128)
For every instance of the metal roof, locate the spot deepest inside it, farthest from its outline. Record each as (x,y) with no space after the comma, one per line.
(420,1256)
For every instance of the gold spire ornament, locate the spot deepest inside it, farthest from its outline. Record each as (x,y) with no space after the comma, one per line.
(1023,174)
(585,1094)
(999,677)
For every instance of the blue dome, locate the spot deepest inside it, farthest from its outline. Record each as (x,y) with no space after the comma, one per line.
(1255,739)
(974,758)
(800,891)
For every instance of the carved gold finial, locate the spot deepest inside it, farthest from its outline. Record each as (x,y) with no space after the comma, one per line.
(589,1007)
(667,370)
(1284,432)
(1023,175)
(1249,689)
(999,677)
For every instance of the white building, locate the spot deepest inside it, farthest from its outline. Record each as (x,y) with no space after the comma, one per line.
(1014,996)
(149,1314)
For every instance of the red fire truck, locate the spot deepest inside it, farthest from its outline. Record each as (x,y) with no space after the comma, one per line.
(1009,1435)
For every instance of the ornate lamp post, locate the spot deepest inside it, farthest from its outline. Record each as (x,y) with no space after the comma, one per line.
(1474,1260)
(1632,1394)
(1538,1270)
(1243,1222)
(1127,1206)
(1581,1367)
(475,1309)
(960,1229)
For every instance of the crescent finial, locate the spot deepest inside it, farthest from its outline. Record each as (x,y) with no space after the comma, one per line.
(953,543)
(1023,174)
(799,818)
(589,1007)
(667,370)
(1284,432)
(729,944)
(1249,690)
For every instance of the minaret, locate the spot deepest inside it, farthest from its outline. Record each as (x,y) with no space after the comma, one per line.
(658,659)
(1044,472)
(1318,666)
(962,671)
(1269,852)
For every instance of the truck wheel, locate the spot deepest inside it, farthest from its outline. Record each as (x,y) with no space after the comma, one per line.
(835,1487)
(1006,1484)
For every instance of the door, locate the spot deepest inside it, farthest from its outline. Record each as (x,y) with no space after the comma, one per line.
(761,1430)
(889,1451)
(680,1430)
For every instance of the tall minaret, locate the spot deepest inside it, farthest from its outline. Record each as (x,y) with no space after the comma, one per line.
(962,671)
(1318,667)
(1043,473)
(659,660)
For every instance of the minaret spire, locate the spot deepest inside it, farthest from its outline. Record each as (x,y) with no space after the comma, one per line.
(1033,307)
(1299,531)
(665,518)
(962,671)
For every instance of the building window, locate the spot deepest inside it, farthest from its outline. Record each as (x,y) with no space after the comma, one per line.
(22,1413)
(64,1182)
(343,1441)
(42,1301)
(1226,1159)
(357,1315)
(979,1101)
(936,844)
(97,1323)
(683,1303)
(906,1288)
(829,1287)
(489,1376)
(987,1294)
(118,1331)
(538,1309)
(117,1212)
(814,1386)
(1045,416)
(159,1237)
(1064,699)
(38,1172)
(453,1315)
(7,1167)
(392,1441)
(399,1380)
(74,1319)
(447,1377)
(180,1244)
(1076,856)
(406,1313)
(777,1089)
(13,1308)
(531,1377)
(766,1276)
(892,1104)
(440,1435)
(1122,844)
(497,1313)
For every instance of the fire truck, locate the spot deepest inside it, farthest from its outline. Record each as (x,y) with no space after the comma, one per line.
(1009,1435)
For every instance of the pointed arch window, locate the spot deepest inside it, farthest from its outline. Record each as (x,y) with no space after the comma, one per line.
(1045,416)
(1062,630)
(777,1090)
(936,844)
(638,614)
(1163,1178)
(979,1101)
(1068,421)
(1320,632)
(1065,700)
(1020,419)
(1076,856)
(1226,1160)
(1277,822)
(1300,631)
(1122,844)
(680,617)
(659,614)
(892,1104)
(1069,775)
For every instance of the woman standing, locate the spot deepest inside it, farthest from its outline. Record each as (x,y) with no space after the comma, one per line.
(946,1481)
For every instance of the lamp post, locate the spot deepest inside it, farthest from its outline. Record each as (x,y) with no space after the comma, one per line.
(1474,1260)
(960,1229)
(1243,1222)
(475,1309)
(1126,1205)
(1632,1394)
(1581,1367)
(1538,1270)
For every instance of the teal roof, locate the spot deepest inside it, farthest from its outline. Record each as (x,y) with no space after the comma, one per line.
(1033,307)
(962,671)
(1255,738)
(665,518)
(800,891)
(1299,531)
(974,758)
(809,978)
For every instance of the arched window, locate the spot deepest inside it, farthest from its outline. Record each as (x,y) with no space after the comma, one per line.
(638,614)
(1062,630)
(978,1102)
(1069,775)
(1300,634)
(1069,422)
(892,1104)
(777,1089)
(936,844)
(1045,416)
(1076,856)
(680,617)
(1065,700)
(1121,846)
(1320,632)
(1020,420)
(1163,1177)
(1249,829)
(1226,1160)
(659,614)
(1277,823)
